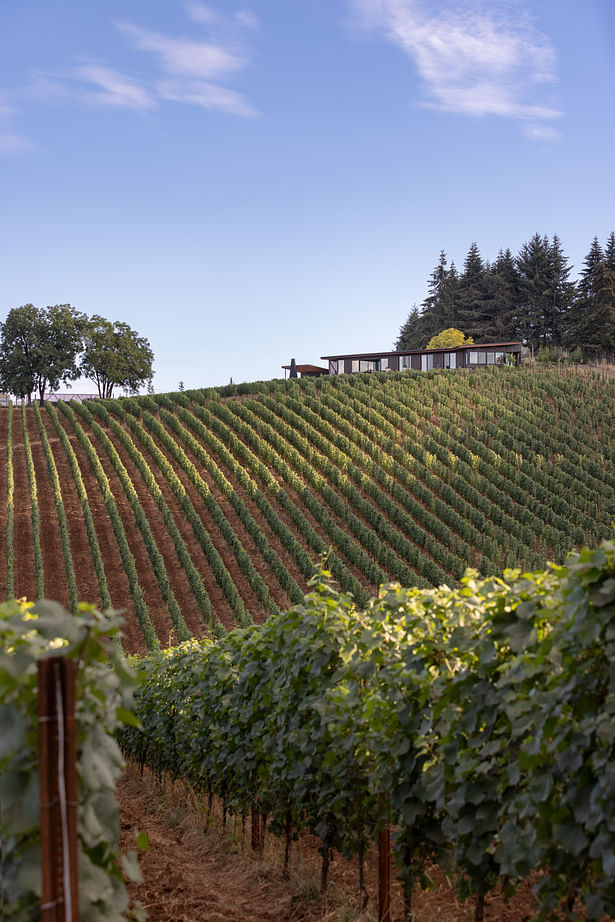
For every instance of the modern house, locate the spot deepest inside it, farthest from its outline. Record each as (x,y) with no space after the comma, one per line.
(476,355)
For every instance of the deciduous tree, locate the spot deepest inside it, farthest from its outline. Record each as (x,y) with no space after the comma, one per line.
(114,355)
(449,337)
(39,349)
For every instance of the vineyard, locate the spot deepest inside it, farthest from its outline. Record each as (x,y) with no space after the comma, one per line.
(204,510)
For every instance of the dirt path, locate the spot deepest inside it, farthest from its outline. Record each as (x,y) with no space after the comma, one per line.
(188,877)
(194,875)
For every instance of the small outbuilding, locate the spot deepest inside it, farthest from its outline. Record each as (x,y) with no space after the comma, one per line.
(306,371)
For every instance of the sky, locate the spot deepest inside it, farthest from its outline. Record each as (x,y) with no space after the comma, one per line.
(246,183)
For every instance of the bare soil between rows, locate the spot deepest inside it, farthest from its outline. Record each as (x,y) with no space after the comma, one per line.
(192,873)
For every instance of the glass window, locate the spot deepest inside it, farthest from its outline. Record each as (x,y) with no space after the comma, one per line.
(482,358)
(333,366)
(384,364)
(450,359)
(423,363)
(499,358)
(473,360)
(355,365)
(491,358)
(405,361)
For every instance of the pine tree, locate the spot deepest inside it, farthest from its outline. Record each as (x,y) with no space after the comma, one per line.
(438,306)
(474,297)
(559,296)
(592,326)
(533,267)
(504,281)
(609,252)
(411,334)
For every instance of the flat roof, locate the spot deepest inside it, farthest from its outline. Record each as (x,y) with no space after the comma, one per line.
(303,369)
(375,354)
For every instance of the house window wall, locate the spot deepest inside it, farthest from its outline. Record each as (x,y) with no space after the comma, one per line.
(425,361)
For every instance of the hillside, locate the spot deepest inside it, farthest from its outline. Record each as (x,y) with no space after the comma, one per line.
(209,506)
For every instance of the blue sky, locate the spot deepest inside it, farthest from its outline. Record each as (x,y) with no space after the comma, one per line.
(247,183)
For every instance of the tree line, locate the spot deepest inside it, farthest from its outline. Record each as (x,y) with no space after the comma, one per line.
(41,347)
(528,297)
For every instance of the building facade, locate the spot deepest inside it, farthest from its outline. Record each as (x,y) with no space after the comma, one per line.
(476,355)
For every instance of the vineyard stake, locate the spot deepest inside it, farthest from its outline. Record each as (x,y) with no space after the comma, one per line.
(58,790)
(384,874)
(256,829)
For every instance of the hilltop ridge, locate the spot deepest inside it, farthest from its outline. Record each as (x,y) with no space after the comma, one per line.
(200,510)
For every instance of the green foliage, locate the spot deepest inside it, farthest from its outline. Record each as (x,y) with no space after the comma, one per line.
(193,575)
(88,519)
(73,599)
(150,543)
(449,337)
(10,507)
(39,348)
(36,517)
(479,720)
(405,476)
(114,355)
(527,297)
(28,633)
(140,607)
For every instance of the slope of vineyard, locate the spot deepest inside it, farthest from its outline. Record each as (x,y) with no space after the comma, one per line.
(201,510)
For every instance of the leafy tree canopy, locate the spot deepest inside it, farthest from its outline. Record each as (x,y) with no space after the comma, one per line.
(449,337)
(39,348)
(115,355)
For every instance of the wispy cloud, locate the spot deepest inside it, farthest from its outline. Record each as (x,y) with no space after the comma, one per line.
(193,69)
(473,58)
(10,142)
(183,55)
(199,12)
(206,95)
(190,69)
(113,88)
(14,144)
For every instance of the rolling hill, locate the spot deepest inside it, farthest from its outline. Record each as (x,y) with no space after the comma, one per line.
(200,510)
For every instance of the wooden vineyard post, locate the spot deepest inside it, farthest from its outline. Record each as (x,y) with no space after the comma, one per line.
(58,790)
(384,874)
(256,829)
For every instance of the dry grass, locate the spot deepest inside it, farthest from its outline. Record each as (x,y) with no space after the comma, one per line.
(197,870)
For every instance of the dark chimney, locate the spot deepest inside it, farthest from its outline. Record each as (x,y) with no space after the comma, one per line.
(293,369)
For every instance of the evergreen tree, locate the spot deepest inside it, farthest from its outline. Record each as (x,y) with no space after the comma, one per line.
(474,297)
(609,252)
(592,326)
(439,307)
(533,267)
(559,296)
(411,335)
(504,282)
